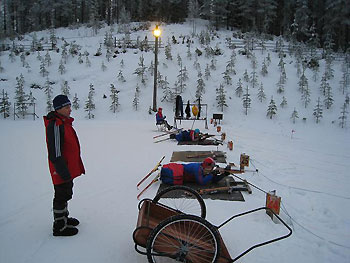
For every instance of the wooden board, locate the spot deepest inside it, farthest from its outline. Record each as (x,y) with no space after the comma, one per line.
(203,142)
(198,156)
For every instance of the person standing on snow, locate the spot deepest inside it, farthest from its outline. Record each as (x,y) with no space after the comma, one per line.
(65,163)
(200,173)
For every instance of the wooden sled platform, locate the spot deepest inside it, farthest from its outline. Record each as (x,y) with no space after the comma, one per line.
(198,156)
(203,142)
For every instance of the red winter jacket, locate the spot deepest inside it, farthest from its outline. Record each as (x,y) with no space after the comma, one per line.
(63,148)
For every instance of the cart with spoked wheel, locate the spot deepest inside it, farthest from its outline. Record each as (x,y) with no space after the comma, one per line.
(175,229)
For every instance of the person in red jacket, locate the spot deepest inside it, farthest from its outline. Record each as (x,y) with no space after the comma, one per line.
(65,163)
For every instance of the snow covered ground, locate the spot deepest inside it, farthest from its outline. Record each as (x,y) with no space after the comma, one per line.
(308,167)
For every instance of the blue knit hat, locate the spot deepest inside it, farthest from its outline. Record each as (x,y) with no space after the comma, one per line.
(60,101)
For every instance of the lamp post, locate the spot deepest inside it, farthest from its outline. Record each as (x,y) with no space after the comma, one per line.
(156,33)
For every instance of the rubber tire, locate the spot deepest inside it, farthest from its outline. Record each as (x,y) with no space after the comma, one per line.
(209,231)
(203,211)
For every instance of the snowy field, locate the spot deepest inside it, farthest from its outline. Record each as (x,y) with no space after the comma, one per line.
(307,163)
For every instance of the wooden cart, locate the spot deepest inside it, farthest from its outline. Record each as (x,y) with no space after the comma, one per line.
(167,233)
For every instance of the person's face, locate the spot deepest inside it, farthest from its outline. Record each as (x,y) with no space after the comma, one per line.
(65,111)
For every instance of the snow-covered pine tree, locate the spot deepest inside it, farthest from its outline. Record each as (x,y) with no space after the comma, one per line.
(345,82)
(164,85)
(136,100)
(343,117)
(31,99)
(328,101)
(189,53)
(230,67)
(254,62)
(2,68)
(43,71)
(246,101)
(12,56)
(264,70)
(303,83)
(284,102)
(295,115)
(272,109)
(213,64)
(75,103)
(151,68)
(268,59)
(38,56)
(261,93)
(200,88)
(318,112)
(103,66)
(49,92)
(167,51)
(196,64)
(115,99)
(280,85)
(221,97)
(239,89)
(254,79)
(61,68)
(5,105)
(227,78)
(20,97)
(329,71)
(179,60)
(53,38)
(207,72)
(48,59)
(121,76)
(140,71)
(108,54)
(324,85)
(23,59)
(87,61)
(305,96)
(246,76)
(65,88)
(181,78)
(80,58)
(89,104)
(64,55)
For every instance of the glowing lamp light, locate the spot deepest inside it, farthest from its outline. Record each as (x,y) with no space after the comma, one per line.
(157,32)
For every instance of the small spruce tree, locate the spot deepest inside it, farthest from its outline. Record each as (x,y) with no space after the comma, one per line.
(272,109)
(89,104)
(318,110)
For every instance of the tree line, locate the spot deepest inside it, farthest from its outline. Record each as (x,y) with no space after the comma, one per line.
(323,23)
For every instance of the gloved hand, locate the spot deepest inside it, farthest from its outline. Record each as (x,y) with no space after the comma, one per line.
(164,117)
(228,168)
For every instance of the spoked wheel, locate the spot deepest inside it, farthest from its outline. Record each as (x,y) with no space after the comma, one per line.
(183,238)
(183,199)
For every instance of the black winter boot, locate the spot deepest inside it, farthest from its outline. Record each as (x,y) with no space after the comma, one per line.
(71,221)
(60,226)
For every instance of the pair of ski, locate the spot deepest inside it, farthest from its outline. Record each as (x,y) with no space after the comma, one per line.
(167,133)
(154,180)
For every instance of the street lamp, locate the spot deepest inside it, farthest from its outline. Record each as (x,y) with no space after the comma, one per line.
(156,33)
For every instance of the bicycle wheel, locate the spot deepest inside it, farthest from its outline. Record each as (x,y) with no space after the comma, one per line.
(183,199)
(183,238)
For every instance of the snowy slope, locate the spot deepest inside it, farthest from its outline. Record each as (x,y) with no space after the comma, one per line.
(308,168)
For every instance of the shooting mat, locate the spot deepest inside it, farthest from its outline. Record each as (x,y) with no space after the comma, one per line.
(234,196)
(203,142)
(198,156)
